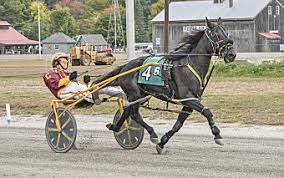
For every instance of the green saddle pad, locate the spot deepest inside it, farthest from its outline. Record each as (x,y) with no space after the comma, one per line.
(152,75)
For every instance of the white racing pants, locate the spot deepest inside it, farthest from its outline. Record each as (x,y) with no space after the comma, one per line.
(74,87)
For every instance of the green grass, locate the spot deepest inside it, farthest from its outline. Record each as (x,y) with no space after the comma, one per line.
(249,70)
(238,93)
(244,109)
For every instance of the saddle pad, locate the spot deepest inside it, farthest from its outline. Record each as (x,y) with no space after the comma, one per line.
(152,75)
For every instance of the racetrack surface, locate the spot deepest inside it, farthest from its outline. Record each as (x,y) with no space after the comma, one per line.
(24,152)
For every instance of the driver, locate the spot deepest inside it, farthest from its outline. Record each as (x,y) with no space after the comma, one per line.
(63,84)
(60,82)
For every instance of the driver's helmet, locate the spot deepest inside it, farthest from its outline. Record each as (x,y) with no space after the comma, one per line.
(57,56)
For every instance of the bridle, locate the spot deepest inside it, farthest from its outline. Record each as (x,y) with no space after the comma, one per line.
(217,44)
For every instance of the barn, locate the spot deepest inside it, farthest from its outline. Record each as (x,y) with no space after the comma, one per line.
(13,42)
(96,40)
(254,25)
(58,42)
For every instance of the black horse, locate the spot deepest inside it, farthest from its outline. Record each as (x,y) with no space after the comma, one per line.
(195,52)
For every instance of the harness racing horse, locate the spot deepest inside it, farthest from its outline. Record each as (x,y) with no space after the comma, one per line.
(190,63)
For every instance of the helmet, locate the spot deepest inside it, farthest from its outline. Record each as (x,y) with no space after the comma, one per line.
(57,56)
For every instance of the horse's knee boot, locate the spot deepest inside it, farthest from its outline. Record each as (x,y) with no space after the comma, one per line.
(177,126)
(206,112)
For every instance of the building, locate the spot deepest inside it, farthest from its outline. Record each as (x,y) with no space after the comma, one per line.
(13,42)
(254,25)
(96,40)
(58,42)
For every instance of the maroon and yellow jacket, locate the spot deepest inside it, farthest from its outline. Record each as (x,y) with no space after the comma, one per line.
(56,80)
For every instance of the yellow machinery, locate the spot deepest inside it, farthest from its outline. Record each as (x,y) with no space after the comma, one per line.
(85,55)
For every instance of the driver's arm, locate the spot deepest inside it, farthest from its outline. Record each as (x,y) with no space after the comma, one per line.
(64,81)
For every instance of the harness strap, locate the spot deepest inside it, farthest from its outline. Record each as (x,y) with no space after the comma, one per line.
(195,74)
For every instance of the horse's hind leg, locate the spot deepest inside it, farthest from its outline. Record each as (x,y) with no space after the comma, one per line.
(179,123)
(137,117)
(134,112)
(124,116)
(196,105)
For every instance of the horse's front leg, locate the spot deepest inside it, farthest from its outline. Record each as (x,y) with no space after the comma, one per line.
(186,111)
(196,105)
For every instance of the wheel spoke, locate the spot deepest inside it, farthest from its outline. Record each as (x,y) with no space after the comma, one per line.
(66,123)
(66,136)
(58,140)
(121,132)
(129,137)
(53,130)
(134,129)
(129,123)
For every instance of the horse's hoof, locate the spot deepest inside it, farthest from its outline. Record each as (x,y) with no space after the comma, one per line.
(159,149)
(154,140)
(219,141)
(109,126)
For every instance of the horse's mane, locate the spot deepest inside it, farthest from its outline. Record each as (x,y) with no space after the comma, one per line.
(187,44)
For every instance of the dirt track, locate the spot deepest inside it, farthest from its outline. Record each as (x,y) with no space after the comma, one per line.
(24,152)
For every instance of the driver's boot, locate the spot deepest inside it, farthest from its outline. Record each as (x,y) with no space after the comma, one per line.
(96,98)
(95,95)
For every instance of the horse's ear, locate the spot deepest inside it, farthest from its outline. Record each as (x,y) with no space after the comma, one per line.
(208,23)
(219,22)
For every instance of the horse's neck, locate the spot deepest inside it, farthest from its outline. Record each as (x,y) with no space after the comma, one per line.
(201,58)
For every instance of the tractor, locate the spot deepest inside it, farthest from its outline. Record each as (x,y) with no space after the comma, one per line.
(85,55)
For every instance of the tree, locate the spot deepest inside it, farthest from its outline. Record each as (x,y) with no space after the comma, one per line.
(140,23)
(17,13)
(44,18)
(156,8)
(62,21)
(50,3)
(76,7)
(44,12)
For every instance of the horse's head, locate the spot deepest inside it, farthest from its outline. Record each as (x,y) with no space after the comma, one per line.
(220,41)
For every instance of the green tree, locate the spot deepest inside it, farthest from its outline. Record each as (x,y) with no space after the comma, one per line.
(156,8)
(50,3)
(140,23)
(62,21)
(17,13)
(44,19)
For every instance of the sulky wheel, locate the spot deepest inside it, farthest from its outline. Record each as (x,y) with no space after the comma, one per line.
(61,141)
(128,137)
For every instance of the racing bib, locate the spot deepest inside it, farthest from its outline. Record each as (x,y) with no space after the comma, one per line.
(152,75)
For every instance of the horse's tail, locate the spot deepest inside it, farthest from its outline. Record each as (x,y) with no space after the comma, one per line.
(112,73)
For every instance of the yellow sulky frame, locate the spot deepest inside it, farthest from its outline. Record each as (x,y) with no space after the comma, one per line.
(70,103)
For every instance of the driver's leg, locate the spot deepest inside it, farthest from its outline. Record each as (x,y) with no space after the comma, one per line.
(114,92)
(73,88)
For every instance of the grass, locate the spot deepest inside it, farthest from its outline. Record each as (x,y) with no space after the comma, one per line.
(272,70)
(234,95)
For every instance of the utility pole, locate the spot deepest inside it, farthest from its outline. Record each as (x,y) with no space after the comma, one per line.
(115,31)
(39,30)
(115,27)
(130,29)
(166,27)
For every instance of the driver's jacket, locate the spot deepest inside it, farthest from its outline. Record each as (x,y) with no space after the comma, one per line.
(56,80)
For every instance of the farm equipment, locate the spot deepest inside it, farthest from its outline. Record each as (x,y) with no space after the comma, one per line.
(85,55)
